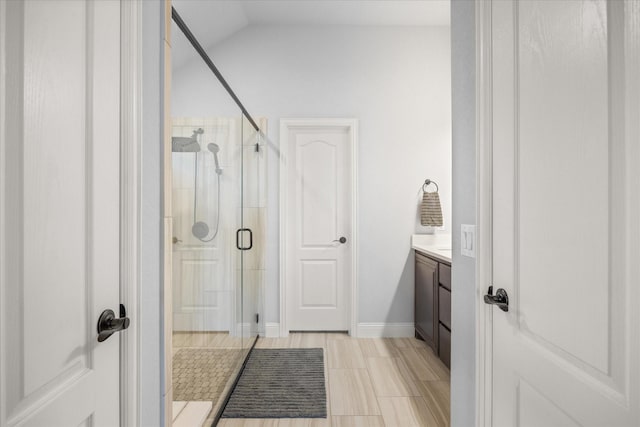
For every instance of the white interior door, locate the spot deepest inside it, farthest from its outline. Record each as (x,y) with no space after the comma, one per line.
(566,209)
(319,213)
(59,211)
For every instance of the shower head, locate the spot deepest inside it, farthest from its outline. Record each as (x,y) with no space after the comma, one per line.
(200,230)
(215,149)
(183,144)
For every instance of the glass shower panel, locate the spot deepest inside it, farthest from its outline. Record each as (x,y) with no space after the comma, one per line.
(208,344)
(203,226)
(219,216)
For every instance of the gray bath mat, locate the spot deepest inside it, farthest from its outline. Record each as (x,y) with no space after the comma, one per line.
(280,383)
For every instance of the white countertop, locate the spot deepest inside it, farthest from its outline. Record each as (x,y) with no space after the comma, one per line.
(434,245)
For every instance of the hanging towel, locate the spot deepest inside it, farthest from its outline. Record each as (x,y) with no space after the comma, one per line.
(431,211)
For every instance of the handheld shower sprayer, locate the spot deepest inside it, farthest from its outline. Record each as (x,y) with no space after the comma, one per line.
(200,229)
(215,148)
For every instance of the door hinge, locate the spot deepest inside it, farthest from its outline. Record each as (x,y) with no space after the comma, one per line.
(257,318)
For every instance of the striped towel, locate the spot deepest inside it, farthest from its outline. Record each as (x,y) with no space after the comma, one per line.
(431,211)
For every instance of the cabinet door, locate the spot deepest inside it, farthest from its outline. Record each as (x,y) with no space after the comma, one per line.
(426,284)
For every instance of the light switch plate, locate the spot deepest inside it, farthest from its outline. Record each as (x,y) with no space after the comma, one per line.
(468,240)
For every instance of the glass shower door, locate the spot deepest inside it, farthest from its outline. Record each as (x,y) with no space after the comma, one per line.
(251,233)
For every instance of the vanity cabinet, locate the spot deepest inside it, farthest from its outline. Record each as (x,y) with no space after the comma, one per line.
(433,304)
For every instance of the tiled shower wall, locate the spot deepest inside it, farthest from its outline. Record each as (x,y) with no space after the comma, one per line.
(206,277)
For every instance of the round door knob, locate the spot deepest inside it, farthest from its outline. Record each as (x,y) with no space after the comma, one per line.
(342,240)
(175,240)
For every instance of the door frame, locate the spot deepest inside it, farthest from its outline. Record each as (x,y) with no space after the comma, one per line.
(130,196)
(484,213)
(352,125)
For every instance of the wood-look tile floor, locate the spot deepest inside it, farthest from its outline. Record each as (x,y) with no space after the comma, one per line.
(392,382)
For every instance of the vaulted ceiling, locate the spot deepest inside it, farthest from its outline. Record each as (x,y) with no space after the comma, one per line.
(215,20)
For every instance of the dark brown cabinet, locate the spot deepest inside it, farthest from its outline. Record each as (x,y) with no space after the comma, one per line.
(426,297)
(433,305)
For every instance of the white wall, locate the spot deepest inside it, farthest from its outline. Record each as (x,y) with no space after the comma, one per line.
(463,295)
(396,81)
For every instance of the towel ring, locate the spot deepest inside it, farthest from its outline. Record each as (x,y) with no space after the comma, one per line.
(426,184)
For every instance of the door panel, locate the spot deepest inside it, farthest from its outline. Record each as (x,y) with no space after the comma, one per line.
(60,211)
(319,282)
(319,212)
(534,406)
(563,132)
(563,240)
(317,160)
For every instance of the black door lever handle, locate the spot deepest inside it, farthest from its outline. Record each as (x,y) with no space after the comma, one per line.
(108,324)
(501,299)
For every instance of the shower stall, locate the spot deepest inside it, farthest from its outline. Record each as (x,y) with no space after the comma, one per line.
(218,203)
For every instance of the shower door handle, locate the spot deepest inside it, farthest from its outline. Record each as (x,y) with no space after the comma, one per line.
(240,230)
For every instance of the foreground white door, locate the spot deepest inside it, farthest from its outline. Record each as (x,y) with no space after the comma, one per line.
(566,212)
(318,180)
(59,211)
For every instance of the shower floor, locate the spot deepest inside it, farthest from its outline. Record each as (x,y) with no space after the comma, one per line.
(205,365)
(202,373)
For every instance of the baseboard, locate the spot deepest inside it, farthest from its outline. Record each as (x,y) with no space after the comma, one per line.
(365,330)
(386,330)
(272,330)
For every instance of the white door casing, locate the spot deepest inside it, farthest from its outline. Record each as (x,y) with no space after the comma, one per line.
(318,203)
(59,211)
(559,205)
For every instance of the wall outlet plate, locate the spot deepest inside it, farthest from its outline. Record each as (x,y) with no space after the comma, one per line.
(468,240)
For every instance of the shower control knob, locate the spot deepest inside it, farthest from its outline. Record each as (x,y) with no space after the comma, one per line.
(342,240)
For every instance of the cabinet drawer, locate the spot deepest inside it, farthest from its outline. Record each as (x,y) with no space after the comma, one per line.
(444,347)
(444,273)
(444,307)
